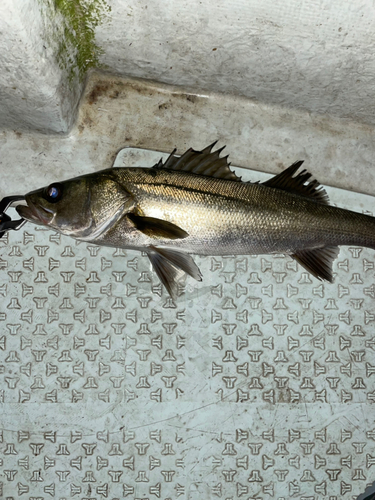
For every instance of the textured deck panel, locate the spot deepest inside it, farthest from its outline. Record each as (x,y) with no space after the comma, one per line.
(257,383)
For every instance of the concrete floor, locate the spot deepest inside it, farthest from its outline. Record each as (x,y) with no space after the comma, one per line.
(202,418)
(116,113)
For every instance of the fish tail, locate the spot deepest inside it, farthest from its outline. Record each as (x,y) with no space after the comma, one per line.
(348,229)
(363,231)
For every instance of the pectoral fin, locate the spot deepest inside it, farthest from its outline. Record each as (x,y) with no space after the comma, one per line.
(157,228)
(171,265)
(318,261)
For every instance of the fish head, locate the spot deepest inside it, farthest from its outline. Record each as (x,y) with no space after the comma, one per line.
(81,207)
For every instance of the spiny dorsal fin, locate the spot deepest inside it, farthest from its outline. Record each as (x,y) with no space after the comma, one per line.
(203,162)
(318,261)
(302,184)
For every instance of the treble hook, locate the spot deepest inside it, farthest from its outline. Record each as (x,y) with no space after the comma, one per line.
(6,223)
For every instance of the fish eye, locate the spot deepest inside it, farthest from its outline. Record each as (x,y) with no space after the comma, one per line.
(53,193)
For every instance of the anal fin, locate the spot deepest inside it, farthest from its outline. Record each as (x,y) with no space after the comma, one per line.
(318,261)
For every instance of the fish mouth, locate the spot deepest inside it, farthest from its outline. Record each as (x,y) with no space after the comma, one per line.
(35,213)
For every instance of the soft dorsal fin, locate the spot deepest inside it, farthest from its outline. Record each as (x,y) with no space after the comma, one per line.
(203,162)
(302,184)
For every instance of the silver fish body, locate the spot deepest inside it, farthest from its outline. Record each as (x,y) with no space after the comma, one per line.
(225,217)
(195,205)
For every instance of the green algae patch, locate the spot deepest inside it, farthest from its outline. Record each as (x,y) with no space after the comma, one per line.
(70,30)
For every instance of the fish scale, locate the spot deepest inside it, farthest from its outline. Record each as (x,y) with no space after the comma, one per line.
(239,218)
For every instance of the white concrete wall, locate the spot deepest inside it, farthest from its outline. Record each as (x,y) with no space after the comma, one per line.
(311,55)
(34,92)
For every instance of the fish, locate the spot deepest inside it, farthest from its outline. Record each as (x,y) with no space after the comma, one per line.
(196,204)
